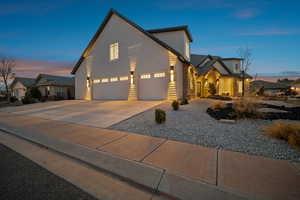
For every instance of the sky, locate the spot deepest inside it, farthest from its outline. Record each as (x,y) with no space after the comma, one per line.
(49,36)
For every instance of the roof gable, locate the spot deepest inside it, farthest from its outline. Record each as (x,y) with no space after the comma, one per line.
(103,25)
(47,79)
(27,82)
(171,29)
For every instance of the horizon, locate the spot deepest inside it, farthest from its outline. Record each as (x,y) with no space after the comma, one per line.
(52,34)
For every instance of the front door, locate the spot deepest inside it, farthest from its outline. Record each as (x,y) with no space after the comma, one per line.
(198,89)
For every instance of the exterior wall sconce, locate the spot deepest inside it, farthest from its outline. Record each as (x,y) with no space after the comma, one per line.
(131,77)
(88,84)
(172,73)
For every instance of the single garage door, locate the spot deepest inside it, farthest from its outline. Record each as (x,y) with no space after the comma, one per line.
(152,88)
(111,90)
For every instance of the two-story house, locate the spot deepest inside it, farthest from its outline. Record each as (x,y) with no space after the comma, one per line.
(124,61)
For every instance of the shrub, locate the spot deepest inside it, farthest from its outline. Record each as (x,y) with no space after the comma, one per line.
(289,132)
(35,93)
(160,116)
(218,105)
(28,100)
(13,99)
(224,98)
(246,108)
(212,89)
(175,105)
(184,102)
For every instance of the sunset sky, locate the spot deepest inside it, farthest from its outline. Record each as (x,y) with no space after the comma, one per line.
(48,36)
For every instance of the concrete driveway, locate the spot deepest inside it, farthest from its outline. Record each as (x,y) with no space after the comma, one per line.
(92,113)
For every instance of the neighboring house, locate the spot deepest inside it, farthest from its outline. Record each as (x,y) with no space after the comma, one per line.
(124,61)
(296,86)
(20,85)
(52,86)
(270,88)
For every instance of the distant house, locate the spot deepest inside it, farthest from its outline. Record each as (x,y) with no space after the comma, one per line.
(270,88)
(52,86)
(296,86)
(20,85)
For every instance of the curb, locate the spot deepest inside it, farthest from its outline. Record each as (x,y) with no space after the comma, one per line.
(136,173)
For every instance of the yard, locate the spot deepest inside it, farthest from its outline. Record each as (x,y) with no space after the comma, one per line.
(192,124)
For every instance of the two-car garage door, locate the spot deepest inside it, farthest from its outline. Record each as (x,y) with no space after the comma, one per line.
(147,89)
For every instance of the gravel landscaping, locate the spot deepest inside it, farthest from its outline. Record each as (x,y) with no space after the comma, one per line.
(193,125)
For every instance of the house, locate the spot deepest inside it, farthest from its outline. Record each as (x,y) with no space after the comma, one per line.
(125,61)
(53,86)
(20,85)
(296,86)
(269,88)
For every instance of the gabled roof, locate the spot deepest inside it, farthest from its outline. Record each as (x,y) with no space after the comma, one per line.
(268,85)
(197,59)
(205,67)
(27,82)
(54,80)
(171,29)
(101,28)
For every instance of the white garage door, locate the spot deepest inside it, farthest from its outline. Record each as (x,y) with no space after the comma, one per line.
(111,90)
(152,88)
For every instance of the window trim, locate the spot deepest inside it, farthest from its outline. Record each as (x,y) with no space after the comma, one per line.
(114,51)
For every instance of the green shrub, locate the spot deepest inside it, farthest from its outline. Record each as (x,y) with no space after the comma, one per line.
(28,100)
(13,99)
(160,116)
(212,89)
(35,93)
(175,105)
(184,102)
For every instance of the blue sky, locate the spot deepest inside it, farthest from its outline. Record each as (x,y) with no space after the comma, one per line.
(50,35)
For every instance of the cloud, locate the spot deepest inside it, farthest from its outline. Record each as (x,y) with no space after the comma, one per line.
(246,13)
(31,67)
(268,32)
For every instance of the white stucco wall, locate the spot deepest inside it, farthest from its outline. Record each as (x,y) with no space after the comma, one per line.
(175,39)
(135,50)
(231,65)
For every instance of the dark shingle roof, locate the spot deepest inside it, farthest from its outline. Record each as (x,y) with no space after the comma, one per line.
(171,29)
(268,85)
(197,59)
(27,82)
(47,79)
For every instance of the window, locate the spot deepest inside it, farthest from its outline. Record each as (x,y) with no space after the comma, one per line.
(237,67)
(113,79)
(97,81)
(187,49)
(114,51)
(104,80)
(145,76)
(159,75)
(123,78)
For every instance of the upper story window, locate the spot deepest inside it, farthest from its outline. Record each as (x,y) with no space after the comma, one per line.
(187,49)
(114,51)
(237,69)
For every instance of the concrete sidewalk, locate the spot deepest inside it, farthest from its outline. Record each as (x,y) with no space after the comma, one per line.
(177,169)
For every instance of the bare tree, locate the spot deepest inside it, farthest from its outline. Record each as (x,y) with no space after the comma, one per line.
(245,53)
(6,72)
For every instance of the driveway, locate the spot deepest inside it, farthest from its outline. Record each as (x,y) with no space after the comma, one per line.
(92,113)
